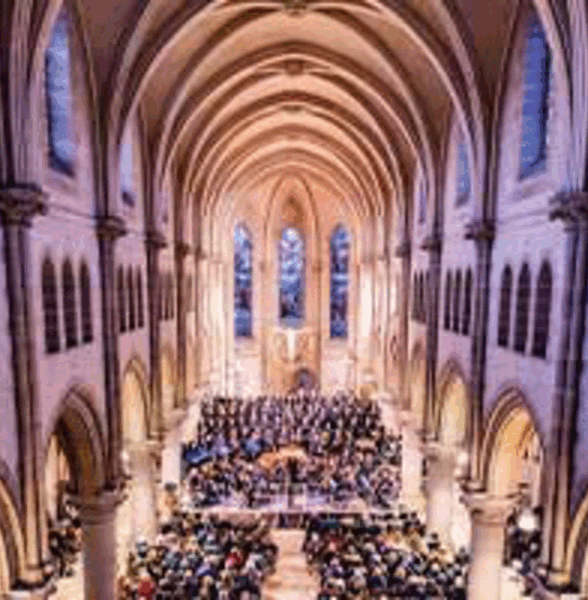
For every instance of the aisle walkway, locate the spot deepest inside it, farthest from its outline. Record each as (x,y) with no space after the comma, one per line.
(292,580)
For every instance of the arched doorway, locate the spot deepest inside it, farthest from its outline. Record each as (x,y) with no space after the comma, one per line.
(74,472)
(137,516)
(445,513)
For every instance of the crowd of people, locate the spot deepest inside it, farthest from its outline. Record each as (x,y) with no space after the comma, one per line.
(382,557)
(65,538)
(201,557)
(248,451)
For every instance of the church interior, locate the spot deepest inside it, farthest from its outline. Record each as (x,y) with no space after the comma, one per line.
(293,299)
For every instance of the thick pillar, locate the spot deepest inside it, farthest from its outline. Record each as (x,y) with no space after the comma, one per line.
(489,515)
(142,490)
(403,252)
(440,491)
(482,233)
(99,545)
(433,245)
(412,461)
(154,242)
(109,229)
(18,206)
(182,250)
(572,209)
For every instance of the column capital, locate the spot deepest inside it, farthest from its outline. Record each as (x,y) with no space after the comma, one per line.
(432,243)
(569,206)
(20,203)
(490,509)
(155,239)
(183,249)
(480,230)
(110,227)
(402,250)
(101,507)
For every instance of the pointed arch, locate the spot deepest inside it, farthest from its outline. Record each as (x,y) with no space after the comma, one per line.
(339,252)
(131,299)
(522,310)
(50,307)
(122,300)
(86,303)
(506,282)
(542,311)
(70,313)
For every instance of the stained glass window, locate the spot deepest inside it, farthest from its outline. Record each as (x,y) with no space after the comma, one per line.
(58,94)
(127,186)
(463,172)
(243,282)
(422,199)
(291,277)
(340,245)
(535,96)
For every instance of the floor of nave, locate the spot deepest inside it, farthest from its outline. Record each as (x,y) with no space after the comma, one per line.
(292,579)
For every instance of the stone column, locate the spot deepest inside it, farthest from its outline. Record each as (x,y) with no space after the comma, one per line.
(489,514)
(432,244)
(412,461)
(99,545)
(182,250)
(482,233)
(109,229)
(18,206)
(572,209)
(154,242)
(143,490)
(440,491)
(403,252)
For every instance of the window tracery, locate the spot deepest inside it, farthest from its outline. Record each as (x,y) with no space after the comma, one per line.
(339,246)
(292,262)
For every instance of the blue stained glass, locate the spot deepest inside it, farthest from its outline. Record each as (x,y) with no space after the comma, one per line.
(291,277)
(340,246)
(58,91)
(422,200)
(535,95)
(463,174)
(243,282)
(126,173)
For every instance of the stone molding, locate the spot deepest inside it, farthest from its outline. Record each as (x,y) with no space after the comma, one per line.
(110,227)
(19,204)
(100,508)
(432,243)
(570,207)
(155,239)
(480,230)
(183,249)
(402,250)
(489,509)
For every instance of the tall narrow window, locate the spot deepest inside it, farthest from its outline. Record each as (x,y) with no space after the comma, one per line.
(535,98)
(70,315)
(86,302)
(243,282)
(542,311)
(457,302)
(291,277)
(467,303)
(340,246)
(122,301)
(447,307)
(422,199)
(140,305)
(131,299)
(463,172)
(59,98)
(426,297)
(50,308)
(504,309)
(127,184)
(522,310)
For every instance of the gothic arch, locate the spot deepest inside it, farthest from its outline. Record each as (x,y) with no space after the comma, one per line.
(78,428)
(511,424)
(135,402)
(450,411)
